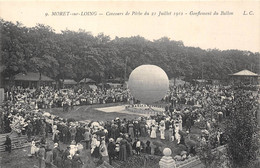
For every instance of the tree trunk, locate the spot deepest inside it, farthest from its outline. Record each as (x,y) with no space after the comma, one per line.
(40,79)
(63,86)
(11,83)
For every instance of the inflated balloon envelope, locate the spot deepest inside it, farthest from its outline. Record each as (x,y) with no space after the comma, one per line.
(148,83)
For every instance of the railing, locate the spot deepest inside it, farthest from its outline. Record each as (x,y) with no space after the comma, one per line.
(194,161)
(17,142)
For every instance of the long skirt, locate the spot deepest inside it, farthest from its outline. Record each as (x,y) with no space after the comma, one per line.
(122,153)
(41,163)
(162,134)
(131,132)
(129,149)
(153,134)
(96,153)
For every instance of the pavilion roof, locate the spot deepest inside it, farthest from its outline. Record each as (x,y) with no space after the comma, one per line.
(244,73)
(31,76)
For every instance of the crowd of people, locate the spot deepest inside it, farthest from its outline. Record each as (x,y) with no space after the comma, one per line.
(203,107)
(48,97)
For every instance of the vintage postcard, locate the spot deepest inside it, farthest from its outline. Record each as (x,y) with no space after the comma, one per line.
(113,84)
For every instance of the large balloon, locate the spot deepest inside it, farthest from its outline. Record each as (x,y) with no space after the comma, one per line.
(148,83)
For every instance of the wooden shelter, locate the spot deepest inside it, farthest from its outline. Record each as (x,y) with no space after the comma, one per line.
(245,77)
(69,82)
(31,80)
(87,81)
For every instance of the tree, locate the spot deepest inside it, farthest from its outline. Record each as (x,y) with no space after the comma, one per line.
(241,131)
(43,48)
(208,157)
(79,54)
(13,47)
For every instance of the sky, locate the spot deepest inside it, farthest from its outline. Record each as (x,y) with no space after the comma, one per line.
(233,31)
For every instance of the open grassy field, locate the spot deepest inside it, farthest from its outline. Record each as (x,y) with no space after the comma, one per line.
(89,112)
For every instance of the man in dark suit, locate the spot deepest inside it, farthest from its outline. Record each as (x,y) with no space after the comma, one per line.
(41,155)
(8,144)
(49,158)
(56,151)
(66,153)
(111,150)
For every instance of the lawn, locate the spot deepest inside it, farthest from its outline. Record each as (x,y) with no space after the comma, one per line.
(89,112)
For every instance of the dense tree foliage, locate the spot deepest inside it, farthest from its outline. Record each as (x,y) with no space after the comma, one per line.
(76,55)
(241,130)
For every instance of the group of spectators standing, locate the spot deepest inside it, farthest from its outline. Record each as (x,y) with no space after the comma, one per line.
(48,97)
(201,106)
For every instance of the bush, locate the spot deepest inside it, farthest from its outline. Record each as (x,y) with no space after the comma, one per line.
(208,157)
(255,164)
(241,130)
(71,120)
(149,161)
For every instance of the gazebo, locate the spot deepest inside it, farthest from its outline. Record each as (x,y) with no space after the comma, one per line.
(245,77)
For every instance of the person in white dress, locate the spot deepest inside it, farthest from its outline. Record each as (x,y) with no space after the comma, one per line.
(153,122)
(34,148)
(180,122)
(73,148)
(54,131)
(149,122)
(153,132)
(208,125)
(94,142)
(103,151)
(171,136)
(79,147)
(162,130)
(177,135)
